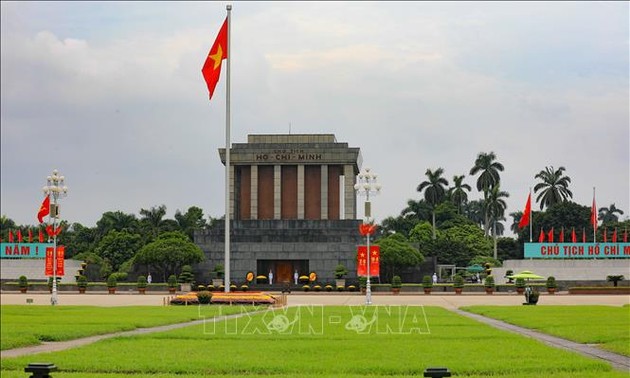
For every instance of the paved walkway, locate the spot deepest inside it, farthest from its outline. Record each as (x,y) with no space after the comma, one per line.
(449,301)
(63,345)
(617,361)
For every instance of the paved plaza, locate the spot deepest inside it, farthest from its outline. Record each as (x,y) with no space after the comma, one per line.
(449,301)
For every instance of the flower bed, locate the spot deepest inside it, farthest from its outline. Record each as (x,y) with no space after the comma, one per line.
(250,297)
(185,299)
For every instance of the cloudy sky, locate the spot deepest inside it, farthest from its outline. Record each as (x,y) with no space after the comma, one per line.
(111,94)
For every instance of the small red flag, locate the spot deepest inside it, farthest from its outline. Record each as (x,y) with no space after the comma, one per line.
(212,67)
(41,236)
(550,236)
(30,235)
(44,210)
(614,236)
(561,237)
(541,237)
(605,236)
(526,213)
(10,236)
(594,213)
(573,236)
(375,260)
(19,236)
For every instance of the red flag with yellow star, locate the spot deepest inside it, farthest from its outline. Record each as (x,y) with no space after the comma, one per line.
(219,51)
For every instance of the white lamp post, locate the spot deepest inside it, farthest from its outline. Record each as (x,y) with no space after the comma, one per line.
(366,185)
(55,189)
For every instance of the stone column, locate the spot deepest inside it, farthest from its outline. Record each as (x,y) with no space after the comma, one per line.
(277,191)
(350,202)
(324,191)
(300,191)
(254,192)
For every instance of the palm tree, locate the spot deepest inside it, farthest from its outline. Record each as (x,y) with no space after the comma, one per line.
(495,209)
(607,214)
(116,220)
(458,192)
(434,190)
(418,210)
(554,187)
(489,177)
(473,210)
(153,218)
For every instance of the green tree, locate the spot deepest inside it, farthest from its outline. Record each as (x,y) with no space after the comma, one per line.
(457,245)
(117,221)
(554,187)
(79,239)
(495,209)
(118,246)
(489,176)
(153,219)
(396,253)
(458,192)
(607,214)
(169,253)
(434,190)
(190,221)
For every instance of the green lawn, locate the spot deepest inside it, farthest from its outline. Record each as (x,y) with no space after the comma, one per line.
(606,326)
(29,325)
(324,342)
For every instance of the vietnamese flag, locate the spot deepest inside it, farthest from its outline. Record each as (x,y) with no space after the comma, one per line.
(41,236)
(573,236)
(561,238)
(19,236)
(10,236)
(614,236)
(30,235)
(541,237)
(550,235)
(604,234)
(219,51)
(526,213)
(44,209)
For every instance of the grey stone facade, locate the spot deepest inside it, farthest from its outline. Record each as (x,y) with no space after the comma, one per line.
(323,243)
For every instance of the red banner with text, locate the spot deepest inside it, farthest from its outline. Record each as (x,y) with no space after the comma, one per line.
(52,260)
(60,260)
(362,260)
(49,261)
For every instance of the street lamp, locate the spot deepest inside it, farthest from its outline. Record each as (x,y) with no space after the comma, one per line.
(55,189)
(366,185)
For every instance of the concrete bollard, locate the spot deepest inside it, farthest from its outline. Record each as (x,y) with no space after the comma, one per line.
(437,372)
(40,369)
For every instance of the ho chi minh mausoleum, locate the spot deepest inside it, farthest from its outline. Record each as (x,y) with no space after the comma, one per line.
(292,206)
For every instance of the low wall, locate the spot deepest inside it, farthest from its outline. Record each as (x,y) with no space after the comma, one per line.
(568,270)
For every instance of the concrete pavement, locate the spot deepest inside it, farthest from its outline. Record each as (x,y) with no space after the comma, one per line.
(446,300)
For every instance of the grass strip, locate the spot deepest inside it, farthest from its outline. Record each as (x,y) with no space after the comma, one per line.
(22,325)
(608,327)
(325,342)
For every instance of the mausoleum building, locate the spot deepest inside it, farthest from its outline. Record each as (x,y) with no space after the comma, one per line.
(292,208)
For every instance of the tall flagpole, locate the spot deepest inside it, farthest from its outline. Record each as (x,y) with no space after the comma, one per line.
(228,145)
(594,220)
(531,215)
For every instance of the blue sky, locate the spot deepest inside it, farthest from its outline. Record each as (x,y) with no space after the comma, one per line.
(111,94)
